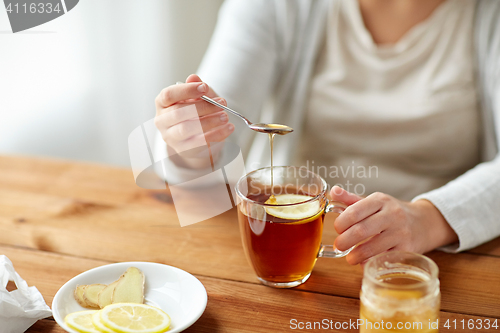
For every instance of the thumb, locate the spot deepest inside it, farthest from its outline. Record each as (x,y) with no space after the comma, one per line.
(193,78)
(339,194)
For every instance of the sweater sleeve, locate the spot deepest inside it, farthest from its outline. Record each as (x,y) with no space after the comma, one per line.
(471,205)
(240,62)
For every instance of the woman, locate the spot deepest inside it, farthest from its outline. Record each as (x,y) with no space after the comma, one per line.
(411,87)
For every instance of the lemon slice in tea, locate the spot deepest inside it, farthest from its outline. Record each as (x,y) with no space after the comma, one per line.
(293,212)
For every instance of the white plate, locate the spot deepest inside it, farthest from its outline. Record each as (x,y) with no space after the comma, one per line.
(171,289)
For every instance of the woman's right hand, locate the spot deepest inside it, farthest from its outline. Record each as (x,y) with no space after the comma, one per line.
(180,128)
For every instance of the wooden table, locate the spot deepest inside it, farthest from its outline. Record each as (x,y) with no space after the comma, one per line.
(58,219)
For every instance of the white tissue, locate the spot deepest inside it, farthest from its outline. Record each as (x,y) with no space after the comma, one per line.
(20,308)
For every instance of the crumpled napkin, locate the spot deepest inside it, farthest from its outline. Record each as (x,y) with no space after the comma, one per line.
(20,308)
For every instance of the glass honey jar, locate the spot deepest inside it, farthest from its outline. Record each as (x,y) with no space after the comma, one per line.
(400,293)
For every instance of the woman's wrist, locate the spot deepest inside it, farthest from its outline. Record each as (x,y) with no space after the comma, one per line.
(437,230)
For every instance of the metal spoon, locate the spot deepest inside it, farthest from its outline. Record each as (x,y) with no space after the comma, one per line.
(260,127)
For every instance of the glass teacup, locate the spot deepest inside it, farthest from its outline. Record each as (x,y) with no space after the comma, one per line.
(282,239)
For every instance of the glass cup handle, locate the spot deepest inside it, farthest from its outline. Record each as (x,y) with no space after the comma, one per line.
(330,251)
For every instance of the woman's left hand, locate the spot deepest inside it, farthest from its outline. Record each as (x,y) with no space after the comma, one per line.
(381,223)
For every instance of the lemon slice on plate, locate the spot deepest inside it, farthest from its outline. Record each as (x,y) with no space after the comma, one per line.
(81,321)
(307,210)
(134,318)
(96,320)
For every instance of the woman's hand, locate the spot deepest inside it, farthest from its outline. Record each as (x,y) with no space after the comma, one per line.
(381,223)
(180,127)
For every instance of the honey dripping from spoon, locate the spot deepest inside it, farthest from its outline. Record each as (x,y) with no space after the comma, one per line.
(272,198)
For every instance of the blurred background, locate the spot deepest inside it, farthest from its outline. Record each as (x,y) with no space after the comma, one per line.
(74,88)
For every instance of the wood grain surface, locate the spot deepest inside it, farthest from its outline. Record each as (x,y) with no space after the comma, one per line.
(59,218)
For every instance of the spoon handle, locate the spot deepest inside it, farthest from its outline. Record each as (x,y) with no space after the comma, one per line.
(209,100)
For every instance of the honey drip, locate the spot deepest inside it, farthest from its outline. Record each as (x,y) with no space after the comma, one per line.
(272,198)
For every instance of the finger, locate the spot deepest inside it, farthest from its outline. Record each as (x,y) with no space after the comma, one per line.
(357,212)
(178,113)
(193,127)
(218,134)
(378,244)
(369,227)
(180,92)
(193,78)
(196,78)
(339,194)
(214,120)
(202,107)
